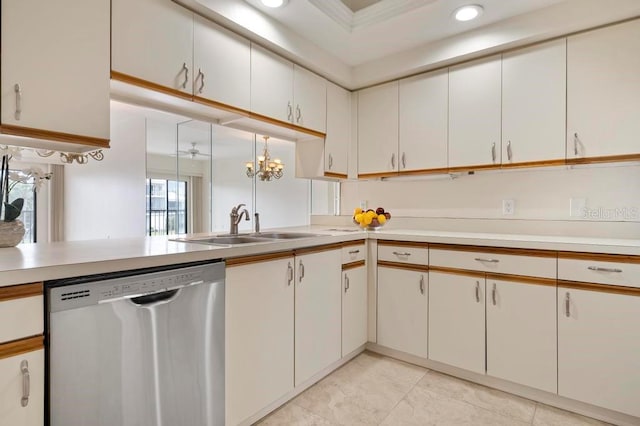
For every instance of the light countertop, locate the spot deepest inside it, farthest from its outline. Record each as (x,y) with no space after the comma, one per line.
(38,262)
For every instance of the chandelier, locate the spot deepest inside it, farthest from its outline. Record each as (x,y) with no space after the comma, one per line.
(267,168)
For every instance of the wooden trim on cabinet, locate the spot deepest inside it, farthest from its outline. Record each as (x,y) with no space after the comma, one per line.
(453,271)
(418,244)
(603,159)
(27,132)
(443,170)
(335,175)
(552,282)
(376,175)
(543,163)
(495,250)
(353,243)
(407,266)
(221,106)
(474,168)
(129,79)
(599,257)
(602,288)
(17,347)
(20,291)
(353,265)
(317,249)
(238,261)
(287,125)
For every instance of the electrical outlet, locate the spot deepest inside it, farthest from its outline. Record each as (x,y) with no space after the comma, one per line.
(508,207)
(577,207)
(363,205)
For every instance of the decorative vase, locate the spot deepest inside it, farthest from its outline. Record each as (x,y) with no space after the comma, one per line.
(11,233)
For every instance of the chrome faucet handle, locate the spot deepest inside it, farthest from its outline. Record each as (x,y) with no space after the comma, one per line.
(237,208)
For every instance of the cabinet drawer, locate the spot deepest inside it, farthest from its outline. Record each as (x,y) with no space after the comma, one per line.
(494,262)
(21,311)
(599,271)
(404,253)
(353,253)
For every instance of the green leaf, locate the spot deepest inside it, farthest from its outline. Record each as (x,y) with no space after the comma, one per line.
(13,210)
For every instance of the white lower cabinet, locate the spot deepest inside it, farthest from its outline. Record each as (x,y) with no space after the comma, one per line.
(599,347)
(457,320)
(318,302)
(521,333)
(259,336)
(354,308)
(402,309)
(16,407)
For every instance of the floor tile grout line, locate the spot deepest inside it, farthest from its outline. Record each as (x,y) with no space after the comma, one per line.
(404,396)
(535,410)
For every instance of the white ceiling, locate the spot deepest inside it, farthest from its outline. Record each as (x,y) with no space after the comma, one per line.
(395,38)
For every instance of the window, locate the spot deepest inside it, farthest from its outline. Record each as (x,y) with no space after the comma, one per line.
(28,216)
(166,207)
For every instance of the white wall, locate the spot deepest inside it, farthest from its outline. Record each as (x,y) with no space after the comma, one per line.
(107,199)
(539,194)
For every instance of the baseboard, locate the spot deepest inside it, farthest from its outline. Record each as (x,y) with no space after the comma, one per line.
(548,398)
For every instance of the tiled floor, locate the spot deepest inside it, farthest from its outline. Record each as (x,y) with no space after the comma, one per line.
(376,390)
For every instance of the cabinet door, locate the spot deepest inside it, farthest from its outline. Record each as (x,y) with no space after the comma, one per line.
(423,121)
(258,335)
(153,40)
(534,103)
(521,333)
(475,113)
(354,309)
(318,312)
(337,142)
(55,66)
(603,92)
(310,95)
(221,65)
(457,320)
(402,310)
(11,387)
(271,85)
(598,347)
(378,130)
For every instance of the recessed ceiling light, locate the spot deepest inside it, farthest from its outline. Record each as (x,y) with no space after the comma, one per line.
(274,3)
(467,13)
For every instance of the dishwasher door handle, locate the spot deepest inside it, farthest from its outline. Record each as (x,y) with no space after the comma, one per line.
(154,298)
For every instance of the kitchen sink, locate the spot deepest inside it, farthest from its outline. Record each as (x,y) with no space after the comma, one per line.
(284,235)
(224,240)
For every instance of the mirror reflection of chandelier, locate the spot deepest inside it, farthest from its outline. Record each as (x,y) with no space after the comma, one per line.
(267,168)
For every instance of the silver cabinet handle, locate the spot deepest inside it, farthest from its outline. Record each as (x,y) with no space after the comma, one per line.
(599,269)
(330,161)
(201,77)
(346,283)
(289,274)
(575,144)
(26,382)
(18,90)
(393,161)
(185,68)
(478,291)
(354,252)
(493,152)
(301,270)
(421,284)
(480,259)
(289,111)
(401,254)
(493,294)
(509,152)
(298,113)
(567,305)
(404,161)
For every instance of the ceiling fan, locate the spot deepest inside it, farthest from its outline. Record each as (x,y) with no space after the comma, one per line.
(193,151)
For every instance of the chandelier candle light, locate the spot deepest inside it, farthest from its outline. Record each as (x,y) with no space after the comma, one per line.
(267,168)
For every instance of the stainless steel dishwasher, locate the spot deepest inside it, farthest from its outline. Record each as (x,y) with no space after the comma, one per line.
(138,350)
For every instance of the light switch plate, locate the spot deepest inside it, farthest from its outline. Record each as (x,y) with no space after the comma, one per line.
(508,207)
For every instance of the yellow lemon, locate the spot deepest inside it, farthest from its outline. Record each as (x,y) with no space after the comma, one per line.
(367,220)
(357,210)
(382,219)
(358,217)
(371,214)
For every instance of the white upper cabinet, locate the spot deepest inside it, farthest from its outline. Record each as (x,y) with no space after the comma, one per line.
(221,65)
(423,121)
(378,130)
(271,85)
(338,139)
(603,92)
(534,103)
(153,40)
(55,67)
(310,96)
(475,113)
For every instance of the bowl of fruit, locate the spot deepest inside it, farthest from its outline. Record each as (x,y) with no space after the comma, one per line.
(371,219)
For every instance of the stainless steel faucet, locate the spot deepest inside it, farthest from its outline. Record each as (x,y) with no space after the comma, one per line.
(236,217)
